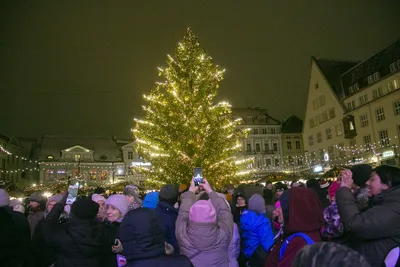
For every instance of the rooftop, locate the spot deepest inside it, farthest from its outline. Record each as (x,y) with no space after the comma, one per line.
(292,125)
(257,113)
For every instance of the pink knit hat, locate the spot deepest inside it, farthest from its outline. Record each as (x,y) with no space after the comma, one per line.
(202,211)
(277,204)
(119,202)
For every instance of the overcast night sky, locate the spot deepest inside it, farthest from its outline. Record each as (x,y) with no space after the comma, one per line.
(81,67)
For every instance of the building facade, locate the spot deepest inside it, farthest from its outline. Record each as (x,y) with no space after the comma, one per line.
(84,160)
(132,160)
(264,140)
(292,143)
(353,109)
(17,163)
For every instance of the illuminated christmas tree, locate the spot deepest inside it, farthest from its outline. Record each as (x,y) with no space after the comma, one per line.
(184,128)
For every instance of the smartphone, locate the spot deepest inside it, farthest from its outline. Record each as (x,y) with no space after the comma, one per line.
(72,194)
(198,176)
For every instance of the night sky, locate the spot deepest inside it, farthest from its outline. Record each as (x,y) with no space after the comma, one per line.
(81,67)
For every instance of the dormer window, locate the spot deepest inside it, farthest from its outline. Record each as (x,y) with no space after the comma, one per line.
(49,157)
(77,157)
(377,76)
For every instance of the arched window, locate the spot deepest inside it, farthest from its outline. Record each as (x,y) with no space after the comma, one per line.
(50,157)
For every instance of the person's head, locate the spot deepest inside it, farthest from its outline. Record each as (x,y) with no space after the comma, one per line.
(294,184)
(257,204)
(382,178)
(4,198)
(269,185)
(300,211)
(323,184)
(35,201)
(84,209)
(328,254)
(361,174)
(202,211)
(230,189)
(141,235)
(240,200)
(99,199)
(52,201)
(280,188)
(131,192)
(150,201)
(116,207)
(169,194)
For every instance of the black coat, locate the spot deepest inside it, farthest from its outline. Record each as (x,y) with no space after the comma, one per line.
(15,239)
(77,242)
(110,233)
(143,242)
(377,228)
(168,215)
(44,254)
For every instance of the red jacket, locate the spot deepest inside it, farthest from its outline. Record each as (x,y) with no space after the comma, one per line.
(305,216)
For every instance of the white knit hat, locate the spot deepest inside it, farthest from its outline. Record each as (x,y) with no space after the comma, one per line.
(97,197)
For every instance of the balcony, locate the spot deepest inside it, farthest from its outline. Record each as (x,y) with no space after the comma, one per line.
(349,127)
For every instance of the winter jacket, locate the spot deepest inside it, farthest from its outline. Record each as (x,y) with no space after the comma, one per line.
(44,254)
(15,239)
(234,247)
(377,228)
(256,230)
(304,216)
(143,242)
(77,242)
(168,215)
(34,218)
(237,212)
(110,233)
(205,244)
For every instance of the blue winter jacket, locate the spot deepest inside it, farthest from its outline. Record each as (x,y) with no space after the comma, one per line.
(150,200)
(255,230)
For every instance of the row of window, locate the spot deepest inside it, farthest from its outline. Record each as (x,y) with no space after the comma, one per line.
(380,114)
(259,163)
(328,134)
(395,66)
(289,145)
(384,139)
(323,117)
(264,131)
(258,147)
(376,93)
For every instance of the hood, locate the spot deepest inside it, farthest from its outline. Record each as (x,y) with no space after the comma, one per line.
(203,235)
(86,236)
(305,212)
(251,220)
(389,196)
(142,224)
(151,200)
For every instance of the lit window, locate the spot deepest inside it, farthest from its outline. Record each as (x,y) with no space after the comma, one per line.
(351,126)
(393,67)
(397,108)
(370,79)
(50,157)
(77,157)
(130,154)
(367,140)
(377,76)
(289,145)
(393,85)
(328,133)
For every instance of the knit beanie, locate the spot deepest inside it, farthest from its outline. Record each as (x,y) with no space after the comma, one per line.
(131,190)
(150,201)
(169,193)
(4,198)
(202,211)
(36,197)
(361,174)
(96,198)
(119,202)
(281,186)
(85,209)
(56,198)
(257,204)
(332,189)
(323,183)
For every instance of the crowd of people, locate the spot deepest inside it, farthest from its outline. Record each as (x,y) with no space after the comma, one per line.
(353,221)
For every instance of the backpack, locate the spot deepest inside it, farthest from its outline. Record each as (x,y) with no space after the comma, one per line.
(287,241)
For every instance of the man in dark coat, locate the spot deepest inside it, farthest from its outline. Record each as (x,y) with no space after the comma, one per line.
(77,242)
(143,242)
(15,236)
(168,214)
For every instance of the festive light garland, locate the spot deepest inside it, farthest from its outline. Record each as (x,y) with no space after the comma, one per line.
(4,150)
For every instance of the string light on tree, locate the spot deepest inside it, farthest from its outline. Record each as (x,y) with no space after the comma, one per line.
(183,128)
